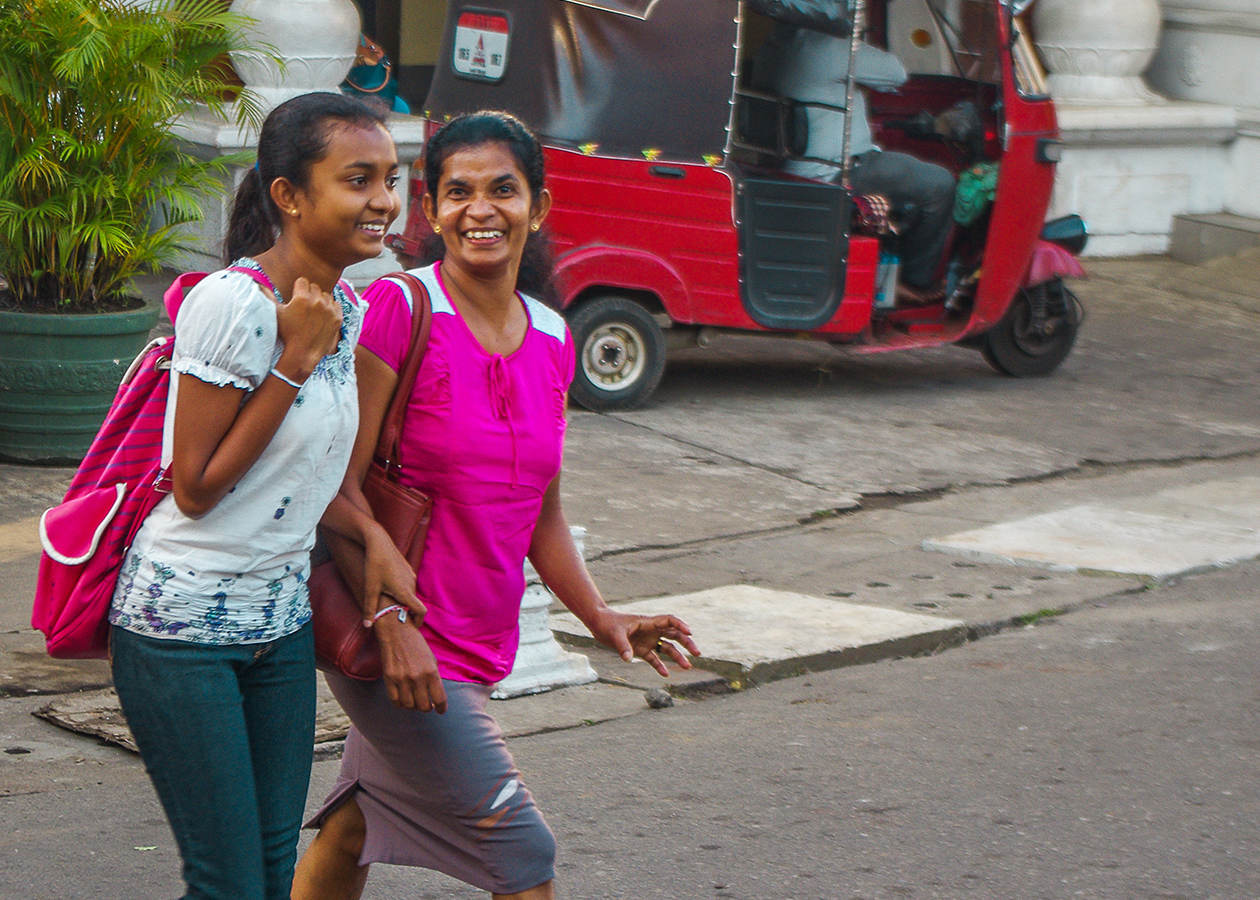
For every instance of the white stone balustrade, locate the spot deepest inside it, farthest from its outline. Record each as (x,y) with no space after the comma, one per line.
(1210,52)
(1097,50)
(541,663)
(314,39)
(1134,159)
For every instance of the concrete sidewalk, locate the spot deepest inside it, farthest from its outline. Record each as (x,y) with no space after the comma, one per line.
(835,561)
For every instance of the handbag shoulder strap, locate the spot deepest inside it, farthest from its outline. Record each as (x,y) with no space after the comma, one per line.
(387,445)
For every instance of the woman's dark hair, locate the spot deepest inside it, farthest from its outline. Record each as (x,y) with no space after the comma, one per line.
(294,137)
(536,274)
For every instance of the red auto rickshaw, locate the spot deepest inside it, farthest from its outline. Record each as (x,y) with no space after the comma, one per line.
(673,219)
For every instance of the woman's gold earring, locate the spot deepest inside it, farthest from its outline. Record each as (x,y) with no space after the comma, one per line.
(437,229)
(534,226)
(293,212)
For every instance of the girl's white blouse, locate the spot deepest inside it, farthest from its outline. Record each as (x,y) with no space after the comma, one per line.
(238,574)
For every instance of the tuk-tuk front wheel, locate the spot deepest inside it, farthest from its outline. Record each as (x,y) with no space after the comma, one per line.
(1037,332)
(620,354)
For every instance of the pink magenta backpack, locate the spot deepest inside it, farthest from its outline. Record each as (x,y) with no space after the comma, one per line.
(86,537)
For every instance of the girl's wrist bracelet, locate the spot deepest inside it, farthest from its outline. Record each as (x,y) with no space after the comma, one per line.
(395,607)
(286,379)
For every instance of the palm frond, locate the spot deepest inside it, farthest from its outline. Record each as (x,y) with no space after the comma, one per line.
(94,187)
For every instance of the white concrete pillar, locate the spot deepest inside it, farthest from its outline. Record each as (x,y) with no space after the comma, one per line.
(541,663)
(1133,159)
(315,39)
(1210,52)
(1096,50)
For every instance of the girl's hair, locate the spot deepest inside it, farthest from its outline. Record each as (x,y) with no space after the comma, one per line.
(294,137)
(536,273)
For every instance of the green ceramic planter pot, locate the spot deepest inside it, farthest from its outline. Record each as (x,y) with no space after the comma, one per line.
(58,376)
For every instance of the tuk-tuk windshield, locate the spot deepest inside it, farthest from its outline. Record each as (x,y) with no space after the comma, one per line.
(946,37)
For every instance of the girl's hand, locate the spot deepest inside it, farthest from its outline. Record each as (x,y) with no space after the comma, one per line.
(651,638)
(309,326)
(410,669)
(387,578)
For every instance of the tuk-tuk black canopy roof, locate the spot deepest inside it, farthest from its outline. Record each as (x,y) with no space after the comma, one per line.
(618,77)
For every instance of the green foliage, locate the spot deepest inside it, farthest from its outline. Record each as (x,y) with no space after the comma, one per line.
(1035,617)
(94,187)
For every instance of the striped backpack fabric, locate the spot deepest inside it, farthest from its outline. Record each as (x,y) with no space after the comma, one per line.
(85,538)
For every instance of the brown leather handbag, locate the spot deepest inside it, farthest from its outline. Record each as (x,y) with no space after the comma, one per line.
(342,644)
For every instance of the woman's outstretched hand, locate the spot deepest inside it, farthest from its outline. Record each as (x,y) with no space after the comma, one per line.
(651,638)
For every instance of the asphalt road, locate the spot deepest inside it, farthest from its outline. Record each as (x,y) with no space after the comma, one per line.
(1108,752)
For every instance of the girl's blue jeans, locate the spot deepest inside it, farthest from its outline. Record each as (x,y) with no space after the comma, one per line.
(226,734)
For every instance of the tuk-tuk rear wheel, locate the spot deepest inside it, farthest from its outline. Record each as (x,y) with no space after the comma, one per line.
(1037,332)
(620,354)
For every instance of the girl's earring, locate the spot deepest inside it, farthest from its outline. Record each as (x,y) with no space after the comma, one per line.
(437,229)
(534,226)
(293,212)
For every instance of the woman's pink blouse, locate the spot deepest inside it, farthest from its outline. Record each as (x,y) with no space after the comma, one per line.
(483,435)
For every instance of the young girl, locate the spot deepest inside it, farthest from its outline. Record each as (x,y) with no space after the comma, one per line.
(213,658)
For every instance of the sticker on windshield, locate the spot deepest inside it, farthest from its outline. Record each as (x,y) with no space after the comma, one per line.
(481,45)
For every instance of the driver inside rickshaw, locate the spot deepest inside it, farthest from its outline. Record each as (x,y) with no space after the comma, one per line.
(812,67)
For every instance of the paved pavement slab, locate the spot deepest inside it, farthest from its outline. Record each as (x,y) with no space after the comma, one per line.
(96,714)
(854,450)
(753,635)
(1168,533)
(573,707)
(635,487)
(25,667)
(19,539)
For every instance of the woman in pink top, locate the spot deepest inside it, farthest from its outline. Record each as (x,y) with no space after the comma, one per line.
(426,778)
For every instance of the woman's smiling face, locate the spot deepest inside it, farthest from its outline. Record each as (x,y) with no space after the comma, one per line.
(483,209)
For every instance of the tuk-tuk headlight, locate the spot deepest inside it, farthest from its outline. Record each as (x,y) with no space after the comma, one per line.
(1049,150)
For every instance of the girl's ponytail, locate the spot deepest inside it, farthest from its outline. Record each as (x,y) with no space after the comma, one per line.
(251,229)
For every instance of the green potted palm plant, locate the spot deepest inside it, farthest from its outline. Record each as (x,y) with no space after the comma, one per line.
(94,190)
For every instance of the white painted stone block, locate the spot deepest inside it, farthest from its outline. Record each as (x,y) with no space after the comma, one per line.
(751,634)
(1166,534)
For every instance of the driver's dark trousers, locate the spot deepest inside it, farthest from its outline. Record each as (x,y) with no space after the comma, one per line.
(903,179)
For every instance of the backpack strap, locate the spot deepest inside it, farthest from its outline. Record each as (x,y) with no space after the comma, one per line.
(349,291)
(174,296)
